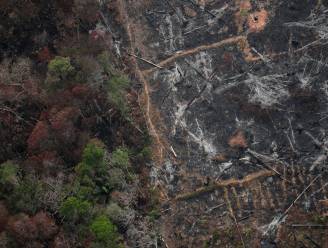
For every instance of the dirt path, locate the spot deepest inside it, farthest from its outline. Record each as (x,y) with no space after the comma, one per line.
(242,40)
(159,145)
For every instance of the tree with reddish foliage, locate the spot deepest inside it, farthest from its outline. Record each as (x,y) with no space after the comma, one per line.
(81,91)
(28,230)
(47,161)
(56,129)
(39,138)
(22,228)
(46,226)
(44,55)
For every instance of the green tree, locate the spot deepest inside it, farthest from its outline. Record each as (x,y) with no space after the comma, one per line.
(92,172)
(104,231)
(74,209)
(93,154)
(92,160)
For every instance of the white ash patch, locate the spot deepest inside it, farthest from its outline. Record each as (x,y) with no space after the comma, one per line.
(202,62)
(196,132)
(267,90)
(204,141)
(173,76)
(316,21)
(171,33)
(311,69)
(179,119)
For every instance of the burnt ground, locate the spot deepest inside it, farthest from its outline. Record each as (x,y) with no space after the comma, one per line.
(241,88)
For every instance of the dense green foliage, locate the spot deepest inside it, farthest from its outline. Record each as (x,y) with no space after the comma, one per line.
(92,161)
(95,178)
(60,72)
(93,173)
(104,230)
(74,209)
(116,84)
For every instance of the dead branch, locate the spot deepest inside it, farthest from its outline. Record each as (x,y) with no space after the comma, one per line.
(106,23)
(262,57)
(206,10)
(145,60)
(230,182)
(308,225)
(195,29)
(236,223)
(299,196)
(9,110)
(316,141)
(265,161)
(312,241)
(196,97)
(188,52)
(215,207)
(172,150)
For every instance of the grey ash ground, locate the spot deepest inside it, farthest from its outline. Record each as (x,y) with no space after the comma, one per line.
(242,96)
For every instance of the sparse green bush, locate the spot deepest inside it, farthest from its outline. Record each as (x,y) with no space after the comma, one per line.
(21,194)
(117,87)
(154,204)
(115,213)
(116,84)
(116,178)
(104,61)
(8,174)
(320,219)
(9,179)
(60,67)
(105,233)
(145,154)
(120,158)
(74,209)
(26,196)
(154,214)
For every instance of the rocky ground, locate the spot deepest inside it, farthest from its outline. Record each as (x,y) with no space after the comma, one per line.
(235,94)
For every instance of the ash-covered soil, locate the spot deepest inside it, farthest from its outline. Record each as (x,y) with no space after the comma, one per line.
(241,89)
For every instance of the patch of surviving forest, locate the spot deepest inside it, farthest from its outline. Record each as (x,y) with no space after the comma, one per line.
(74,146)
